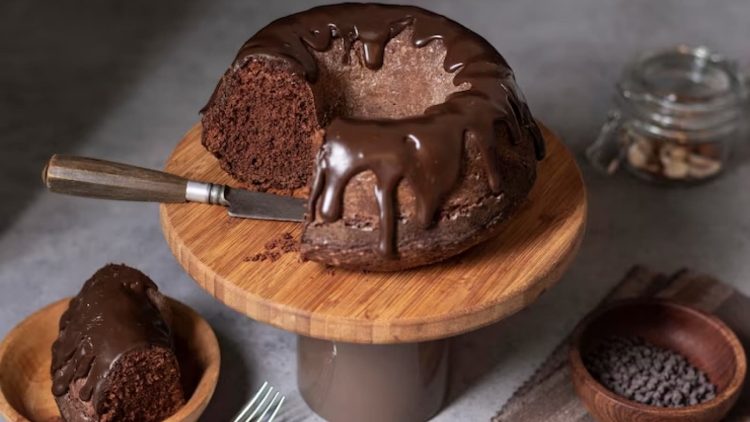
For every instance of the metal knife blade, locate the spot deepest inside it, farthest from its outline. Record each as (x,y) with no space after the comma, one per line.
(264,206)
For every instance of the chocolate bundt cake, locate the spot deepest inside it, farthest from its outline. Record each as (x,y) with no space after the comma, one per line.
(406,130)
(114,359)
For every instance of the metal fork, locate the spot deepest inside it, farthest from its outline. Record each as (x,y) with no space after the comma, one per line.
(253,412)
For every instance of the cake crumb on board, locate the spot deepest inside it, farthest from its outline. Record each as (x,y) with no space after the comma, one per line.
(275,248)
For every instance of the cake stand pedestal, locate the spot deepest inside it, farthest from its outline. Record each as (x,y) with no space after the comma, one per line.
(374,346)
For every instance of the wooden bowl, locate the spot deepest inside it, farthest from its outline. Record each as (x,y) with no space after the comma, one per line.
(703,339)
(25,356)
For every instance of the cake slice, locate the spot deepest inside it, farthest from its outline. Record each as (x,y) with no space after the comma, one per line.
(114,359)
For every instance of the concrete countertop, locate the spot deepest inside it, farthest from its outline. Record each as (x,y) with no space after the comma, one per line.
(125,80)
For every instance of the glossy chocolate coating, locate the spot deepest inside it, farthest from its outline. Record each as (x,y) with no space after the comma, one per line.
(426,150)
(112,315)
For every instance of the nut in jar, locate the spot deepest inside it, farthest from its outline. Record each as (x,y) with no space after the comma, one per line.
(672,161)
(678,113)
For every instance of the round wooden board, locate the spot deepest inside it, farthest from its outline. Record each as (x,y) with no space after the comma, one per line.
(26,357)
(485,284)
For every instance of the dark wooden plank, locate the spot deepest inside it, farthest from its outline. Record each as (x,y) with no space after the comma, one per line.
(548,395)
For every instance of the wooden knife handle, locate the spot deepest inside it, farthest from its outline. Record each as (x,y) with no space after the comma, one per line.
(94,178)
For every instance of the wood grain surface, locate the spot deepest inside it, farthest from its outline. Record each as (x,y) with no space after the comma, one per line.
(481,286)
(90,177)
(26,353)
(549,394)
(704,340)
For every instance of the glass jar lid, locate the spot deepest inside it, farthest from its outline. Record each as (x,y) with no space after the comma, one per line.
(683,88)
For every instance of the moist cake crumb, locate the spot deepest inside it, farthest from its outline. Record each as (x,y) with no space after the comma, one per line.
(114,358)
(275,248)
(435,123)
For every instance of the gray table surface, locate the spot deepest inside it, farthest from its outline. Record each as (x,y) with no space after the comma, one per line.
(124,81)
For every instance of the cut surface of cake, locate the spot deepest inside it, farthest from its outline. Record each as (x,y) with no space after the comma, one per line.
(114,359)
(406,131)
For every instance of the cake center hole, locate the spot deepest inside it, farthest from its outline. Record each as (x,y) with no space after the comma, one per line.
(410,80)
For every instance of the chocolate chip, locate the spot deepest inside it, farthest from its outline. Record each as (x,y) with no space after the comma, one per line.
(640,371)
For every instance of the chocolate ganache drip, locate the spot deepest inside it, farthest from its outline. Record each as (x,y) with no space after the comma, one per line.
(426,150)
(111,315)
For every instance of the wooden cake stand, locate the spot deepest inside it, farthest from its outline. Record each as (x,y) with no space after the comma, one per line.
(372,345)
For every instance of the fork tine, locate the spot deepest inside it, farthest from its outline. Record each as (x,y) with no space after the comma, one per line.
(241,414)
(278,406)
(270,405)
(260,405)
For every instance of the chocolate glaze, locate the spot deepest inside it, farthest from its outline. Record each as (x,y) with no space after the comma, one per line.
(111,315)
(425,150)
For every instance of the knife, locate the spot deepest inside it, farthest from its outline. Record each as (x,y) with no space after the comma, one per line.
(90,177)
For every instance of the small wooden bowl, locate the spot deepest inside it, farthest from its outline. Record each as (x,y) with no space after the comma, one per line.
(25,356)
(703,339)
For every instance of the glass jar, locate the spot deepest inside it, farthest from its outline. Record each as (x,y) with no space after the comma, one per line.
(678,112)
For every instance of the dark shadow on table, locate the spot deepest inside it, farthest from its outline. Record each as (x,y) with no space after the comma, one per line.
(474,355)
(234,385)
(63,67)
